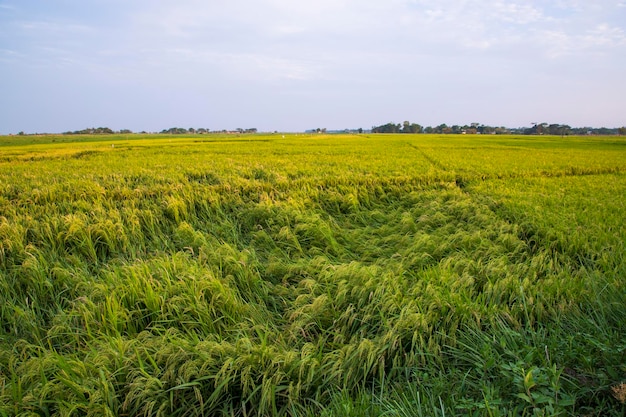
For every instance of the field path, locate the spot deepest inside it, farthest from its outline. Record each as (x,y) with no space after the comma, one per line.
(429,158)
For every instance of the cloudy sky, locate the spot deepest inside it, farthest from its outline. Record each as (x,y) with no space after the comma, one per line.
(292,65)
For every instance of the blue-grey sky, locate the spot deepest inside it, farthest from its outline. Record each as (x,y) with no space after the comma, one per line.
(292,65)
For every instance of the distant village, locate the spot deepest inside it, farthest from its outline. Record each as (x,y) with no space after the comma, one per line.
(406,127)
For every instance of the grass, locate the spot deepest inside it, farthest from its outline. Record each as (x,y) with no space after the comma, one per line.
(312,275)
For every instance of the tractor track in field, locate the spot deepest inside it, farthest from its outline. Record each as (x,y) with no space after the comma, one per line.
(459,181)
(429,158)
(462,181)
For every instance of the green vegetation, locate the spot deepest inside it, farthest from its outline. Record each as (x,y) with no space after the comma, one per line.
(555,129)
(312,275)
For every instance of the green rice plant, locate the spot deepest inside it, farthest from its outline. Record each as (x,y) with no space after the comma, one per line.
(326,275)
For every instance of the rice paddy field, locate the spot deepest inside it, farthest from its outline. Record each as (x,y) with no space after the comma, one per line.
(299,275)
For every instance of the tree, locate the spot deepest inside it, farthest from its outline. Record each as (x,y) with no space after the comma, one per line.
(487,130)
(412,128)
(540,128)
(470,130)
(175,131)
(622,131)
(442,128)
(405,127)
(386,128)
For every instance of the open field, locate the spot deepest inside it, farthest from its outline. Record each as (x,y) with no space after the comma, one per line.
(397,275)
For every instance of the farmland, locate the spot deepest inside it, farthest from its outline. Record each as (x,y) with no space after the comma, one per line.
(312,275)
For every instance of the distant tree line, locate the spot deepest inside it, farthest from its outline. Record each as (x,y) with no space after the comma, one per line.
(92,131)
(183,131)
(408,127)
(405,127)
(170,131)
(478,128)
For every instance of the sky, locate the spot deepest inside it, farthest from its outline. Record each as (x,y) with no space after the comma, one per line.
(290,65)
